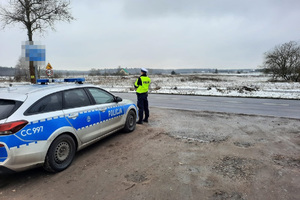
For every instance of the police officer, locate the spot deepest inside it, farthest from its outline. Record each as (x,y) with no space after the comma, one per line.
(142,86)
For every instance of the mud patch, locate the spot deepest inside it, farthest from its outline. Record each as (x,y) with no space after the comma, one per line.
(243,144)
(236,168)
(136,177)
(221,195)
(156,136)
(211,138)
(208,183)
(287,161)
(200,137)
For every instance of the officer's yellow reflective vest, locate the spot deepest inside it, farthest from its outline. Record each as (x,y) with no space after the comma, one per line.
(142,84)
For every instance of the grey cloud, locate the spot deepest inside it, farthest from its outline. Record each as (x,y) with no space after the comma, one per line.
(165,33)
(208,8)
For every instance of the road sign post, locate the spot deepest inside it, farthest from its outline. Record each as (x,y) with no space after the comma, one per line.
(34,55)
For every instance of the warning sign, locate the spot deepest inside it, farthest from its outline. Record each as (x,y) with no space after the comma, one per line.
(49,67)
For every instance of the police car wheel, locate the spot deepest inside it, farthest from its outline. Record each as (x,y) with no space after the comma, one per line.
(60,154)
(130,122)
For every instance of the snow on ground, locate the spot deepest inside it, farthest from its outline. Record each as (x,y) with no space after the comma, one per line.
(234,85)
(245,85)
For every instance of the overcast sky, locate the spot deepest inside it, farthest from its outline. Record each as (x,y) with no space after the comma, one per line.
(167,34)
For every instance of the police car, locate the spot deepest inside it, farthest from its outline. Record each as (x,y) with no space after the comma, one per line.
(45,124)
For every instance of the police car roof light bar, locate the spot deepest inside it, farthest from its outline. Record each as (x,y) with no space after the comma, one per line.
(42,81)
(57,80)
(76,80)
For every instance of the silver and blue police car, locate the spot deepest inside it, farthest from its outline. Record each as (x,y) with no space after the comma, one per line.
(45,124)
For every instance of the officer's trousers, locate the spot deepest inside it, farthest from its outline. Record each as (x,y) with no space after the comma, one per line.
(142,103)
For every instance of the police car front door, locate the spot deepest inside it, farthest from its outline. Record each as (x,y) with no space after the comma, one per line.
(110,117)
(84,117)
(110,111)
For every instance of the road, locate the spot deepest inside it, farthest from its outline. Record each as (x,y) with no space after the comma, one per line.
(252,106)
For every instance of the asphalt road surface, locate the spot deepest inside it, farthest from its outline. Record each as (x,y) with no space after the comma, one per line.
(252,106)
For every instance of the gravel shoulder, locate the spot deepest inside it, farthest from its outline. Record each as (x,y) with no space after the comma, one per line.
(178,155)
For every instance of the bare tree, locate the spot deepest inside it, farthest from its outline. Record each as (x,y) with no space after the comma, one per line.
(21,71)
(35,15)
(284,61)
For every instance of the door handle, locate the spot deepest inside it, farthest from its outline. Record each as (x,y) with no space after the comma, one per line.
(103,109)
(73,115)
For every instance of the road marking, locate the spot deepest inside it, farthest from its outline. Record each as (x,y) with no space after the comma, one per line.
(276,104)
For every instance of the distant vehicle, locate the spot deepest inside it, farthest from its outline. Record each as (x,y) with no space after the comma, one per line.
(45,124)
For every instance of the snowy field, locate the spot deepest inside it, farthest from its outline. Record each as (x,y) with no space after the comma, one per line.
(234,85)
(240,85)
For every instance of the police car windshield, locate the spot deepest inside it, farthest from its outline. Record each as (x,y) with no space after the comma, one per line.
(7,107)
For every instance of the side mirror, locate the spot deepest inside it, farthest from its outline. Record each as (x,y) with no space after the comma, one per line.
(118,99)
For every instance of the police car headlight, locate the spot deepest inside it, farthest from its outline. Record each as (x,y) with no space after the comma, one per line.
(12,127)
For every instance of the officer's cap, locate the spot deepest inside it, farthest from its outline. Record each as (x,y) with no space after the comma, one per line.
(144,70)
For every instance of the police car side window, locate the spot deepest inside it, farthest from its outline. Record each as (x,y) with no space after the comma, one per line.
(7,107)
(101,96)
(75,98)
(52,102)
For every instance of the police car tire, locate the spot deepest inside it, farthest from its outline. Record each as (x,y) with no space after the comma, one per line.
(52,162)
(130,121)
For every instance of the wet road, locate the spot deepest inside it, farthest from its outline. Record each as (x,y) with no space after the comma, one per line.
(255,106)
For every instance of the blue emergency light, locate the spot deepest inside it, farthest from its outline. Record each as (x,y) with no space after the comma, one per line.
(76,80)
(42,81)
